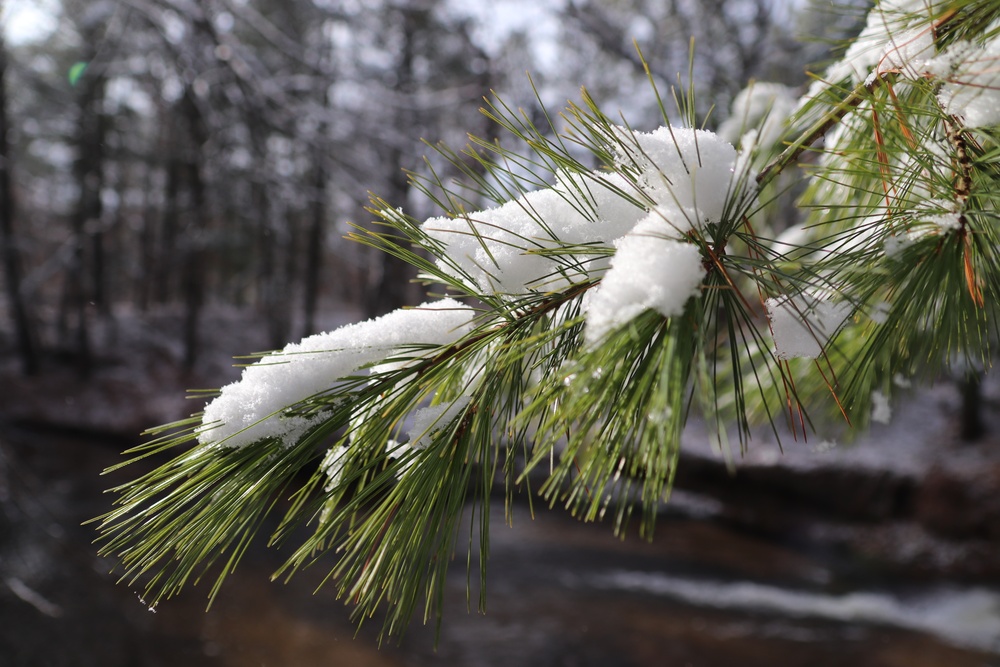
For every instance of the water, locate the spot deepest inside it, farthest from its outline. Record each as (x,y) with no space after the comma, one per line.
(560,593)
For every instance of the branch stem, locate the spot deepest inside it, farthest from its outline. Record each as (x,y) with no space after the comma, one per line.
(819,129)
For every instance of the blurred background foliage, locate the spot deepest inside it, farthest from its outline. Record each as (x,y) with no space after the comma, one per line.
(178,156)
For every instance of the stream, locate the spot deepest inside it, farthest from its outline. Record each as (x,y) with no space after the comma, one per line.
(560,593)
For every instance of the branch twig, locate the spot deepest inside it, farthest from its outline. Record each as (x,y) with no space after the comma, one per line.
(820,128)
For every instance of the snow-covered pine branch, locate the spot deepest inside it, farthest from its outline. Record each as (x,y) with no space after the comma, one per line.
(582,319)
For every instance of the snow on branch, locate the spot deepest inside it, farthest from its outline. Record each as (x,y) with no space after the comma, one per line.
(257,406)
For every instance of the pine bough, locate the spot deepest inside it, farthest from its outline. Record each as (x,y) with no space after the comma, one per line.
(623,281)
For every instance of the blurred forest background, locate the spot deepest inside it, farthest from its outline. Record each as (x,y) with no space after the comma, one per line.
(174,160)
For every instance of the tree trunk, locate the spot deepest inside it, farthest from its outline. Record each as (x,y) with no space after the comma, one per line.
(193,266)
(314,241)
(971,425)
(390,286)
(147,244)
(193,280)
(89,175)
(169,223)
(23,323)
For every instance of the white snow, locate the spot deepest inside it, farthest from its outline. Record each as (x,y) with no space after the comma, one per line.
(651,269)
(333,466)
(691,175)
(680,180)
(431,420)
(932,218)
(940,215)
(499,247)
(762,107)
(881,409)
(801,325)
(895,34)
(908,52)
(694,179)
(425,423)
(972,82)
(963,616)
(253,408)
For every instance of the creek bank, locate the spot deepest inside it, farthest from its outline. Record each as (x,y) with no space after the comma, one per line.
(910,498)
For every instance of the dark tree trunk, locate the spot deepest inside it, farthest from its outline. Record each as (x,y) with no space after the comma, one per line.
(193,280)
(391,285)
(23,323)
(971,424)
(193,283)
(393,282)
(147,245)
(89,175)
(267,253)
(314,243)
(280,285)
(165,265)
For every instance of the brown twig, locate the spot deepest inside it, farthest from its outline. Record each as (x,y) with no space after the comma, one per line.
(819,129)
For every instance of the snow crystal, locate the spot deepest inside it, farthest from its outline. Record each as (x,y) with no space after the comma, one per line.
(253,408)
(651,269)
(949,221)
(333,466)
(894,244)
(881,410)
(933,218)
(972,82)
(802,325)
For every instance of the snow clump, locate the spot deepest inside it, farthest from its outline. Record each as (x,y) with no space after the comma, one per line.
(513,248)
(972,82)
(881,408)
(897,35)
(694,177)
(425,425)
(254,408)
(801,325)
(650,270)
(669,184)
(762,109)
(429,421)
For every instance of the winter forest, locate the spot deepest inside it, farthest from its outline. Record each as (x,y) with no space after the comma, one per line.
(536,333)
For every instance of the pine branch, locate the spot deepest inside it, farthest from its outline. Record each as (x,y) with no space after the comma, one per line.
(611,306)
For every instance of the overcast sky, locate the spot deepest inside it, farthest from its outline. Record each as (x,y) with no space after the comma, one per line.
(27,20)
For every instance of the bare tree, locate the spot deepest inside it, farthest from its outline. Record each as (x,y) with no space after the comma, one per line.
(722,43)
(26,341)
(85,274)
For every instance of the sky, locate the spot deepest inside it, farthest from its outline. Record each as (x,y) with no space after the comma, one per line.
(28,20)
